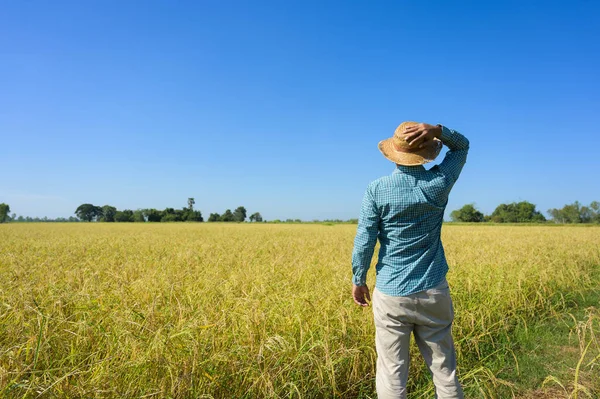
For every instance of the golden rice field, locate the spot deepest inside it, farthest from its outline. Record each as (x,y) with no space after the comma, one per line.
(264,311)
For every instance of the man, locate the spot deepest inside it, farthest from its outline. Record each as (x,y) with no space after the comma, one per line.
(405,211)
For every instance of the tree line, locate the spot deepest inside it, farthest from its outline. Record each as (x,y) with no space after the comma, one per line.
(239,215)
(108,213)
(525,212)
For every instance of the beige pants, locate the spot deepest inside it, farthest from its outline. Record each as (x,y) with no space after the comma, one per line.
(427,314)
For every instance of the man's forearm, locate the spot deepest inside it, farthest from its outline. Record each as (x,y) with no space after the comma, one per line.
(455,159)
(361,261)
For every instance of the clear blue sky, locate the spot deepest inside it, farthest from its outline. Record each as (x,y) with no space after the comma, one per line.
(279,106)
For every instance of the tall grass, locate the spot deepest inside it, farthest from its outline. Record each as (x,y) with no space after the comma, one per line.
(253,311)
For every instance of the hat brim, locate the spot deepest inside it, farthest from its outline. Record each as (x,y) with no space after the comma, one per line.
(427,154)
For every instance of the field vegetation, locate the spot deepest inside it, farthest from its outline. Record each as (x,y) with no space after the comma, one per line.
(264,311)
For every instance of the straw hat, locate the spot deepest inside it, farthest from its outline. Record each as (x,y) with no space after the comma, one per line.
(397,150)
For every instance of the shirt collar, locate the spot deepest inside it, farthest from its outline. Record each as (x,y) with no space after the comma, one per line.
(408,169)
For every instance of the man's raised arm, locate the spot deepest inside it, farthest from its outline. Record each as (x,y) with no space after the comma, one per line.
(456,157)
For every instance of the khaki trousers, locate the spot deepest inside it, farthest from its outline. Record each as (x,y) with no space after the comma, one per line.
(427,314)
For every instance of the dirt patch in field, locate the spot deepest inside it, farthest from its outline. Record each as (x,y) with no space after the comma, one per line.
(545,393)
(587,382)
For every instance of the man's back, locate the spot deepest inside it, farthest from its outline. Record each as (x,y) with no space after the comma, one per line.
(405,211)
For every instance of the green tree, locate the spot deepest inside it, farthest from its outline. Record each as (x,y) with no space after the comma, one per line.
(227,216)
(586,214)
(556,215)
(517,212)
(4,211)
(191,203)
(595,207)
(239,215)
(125,215)
(152,215)
(171,215)
(138,216)
(193,216)
(572,212)
(214,217)
(576,213)
(256,217)
(108,213)
(88,212)
(467,213)
(567,214)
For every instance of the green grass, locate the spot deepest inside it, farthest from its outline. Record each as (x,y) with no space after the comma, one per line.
(547,350)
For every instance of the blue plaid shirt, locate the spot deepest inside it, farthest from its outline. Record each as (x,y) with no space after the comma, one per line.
(405,211)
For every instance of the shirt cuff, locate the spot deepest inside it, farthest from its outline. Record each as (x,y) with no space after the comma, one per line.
(359,281)
(446,134)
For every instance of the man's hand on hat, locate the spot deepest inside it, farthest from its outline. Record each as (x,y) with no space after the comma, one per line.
(417,135)
(361,295)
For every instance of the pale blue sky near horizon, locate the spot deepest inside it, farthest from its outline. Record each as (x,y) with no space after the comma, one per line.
(279,106)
